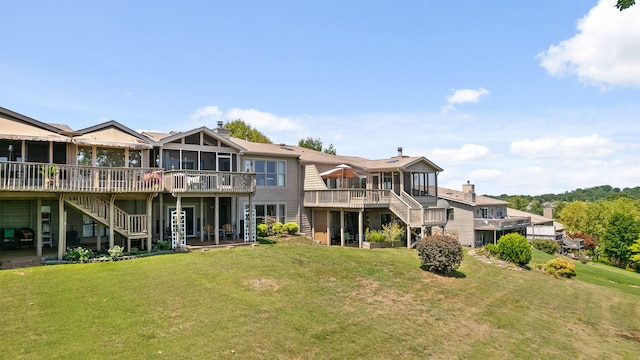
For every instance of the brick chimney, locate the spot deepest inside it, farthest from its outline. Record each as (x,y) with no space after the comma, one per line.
(469,191)
(221,130)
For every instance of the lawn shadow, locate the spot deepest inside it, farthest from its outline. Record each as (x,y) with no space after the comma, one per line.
(453,274)
(263,241)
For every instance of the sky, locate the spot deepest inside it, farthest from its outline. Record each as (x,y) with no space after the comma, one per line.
(517,97)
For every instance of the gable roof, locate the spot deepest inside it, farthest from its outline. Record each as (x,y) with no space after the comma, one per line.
(112,133)
(19,127)
(173,136)
(467,198)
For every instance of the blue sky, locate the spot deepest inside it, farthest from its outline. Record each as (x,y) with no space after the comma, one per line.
(525,97)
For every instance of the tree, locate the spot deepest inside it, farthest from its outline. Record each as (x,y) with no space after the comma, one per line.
(316,144)
(311,143)
(573,216)
(625,4)
(241,130)
(330,150)
(622,231)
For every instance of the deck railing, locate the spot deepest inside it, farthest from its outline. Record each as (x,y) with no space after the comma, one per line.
(347,198)
(502,224)
(20,176)
(202,181)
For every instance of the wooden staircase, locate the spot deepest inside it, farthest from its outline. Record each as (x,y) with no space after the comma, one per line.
(127,225)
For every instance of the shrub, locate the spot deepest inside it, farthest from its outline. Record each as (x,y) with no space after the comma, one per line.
(375,236)
(78,254)
(492,249)
(439,253)
(546,245)
(116,252)
(291,228)
(393,232)
(277,228)
(163,245)
(515,248)
(560,267)
(262,230)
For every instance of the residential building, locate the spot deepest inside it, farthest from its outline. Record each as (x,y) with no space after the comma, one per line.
(107,184)
(478,220)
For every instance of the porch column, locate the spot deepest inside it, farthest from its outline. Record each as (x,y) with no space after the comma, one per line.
(201,219)
(328,227)
(409,236)
(341,227)
(178,221)
(249,220)
(360,227)
(62,226)
(98,237)
(39,227)
(216,219)
(112,215)
(161,217)
(149,221)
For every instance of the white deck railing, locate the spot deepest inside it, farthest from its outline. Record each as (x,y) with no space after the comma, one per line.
(20,176)
(202,181)
(347,198)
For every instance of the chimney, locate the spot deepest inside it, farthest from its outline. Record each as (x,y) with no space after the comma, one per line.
(548,212)
(221,130)
(400,151)
(469,191)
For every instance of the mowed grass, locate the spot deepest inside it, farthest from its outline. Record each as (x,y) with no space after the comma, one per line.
(298,300)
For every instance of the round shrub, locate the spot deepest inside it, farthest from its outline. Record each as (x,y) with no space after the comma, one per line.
(262,230)
(78,254)
(515,248)
(291,228)
(549,246)
(116,252)
(375,236)
(439,253)
(492,249)
(277,228)
(560,267)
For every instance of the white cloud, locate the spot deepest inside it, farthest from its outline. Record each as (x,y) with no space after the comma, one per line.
(463,96)
(592,146)
(207,114)
(605,52)
(468,152)
(263,120)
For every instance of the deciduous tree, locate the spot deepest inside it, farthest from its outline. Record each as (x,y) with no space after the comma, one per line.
(241,130)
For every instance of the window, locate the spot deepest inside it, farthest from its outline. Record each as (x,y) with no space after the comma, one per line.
(110,157)
(449,214)
(89,227)
(276,211)
(422,183)
(207,160)
(485,213)
(84,156)
(499,213)
(269,172)
(135,158)
(224,162)
(193,139)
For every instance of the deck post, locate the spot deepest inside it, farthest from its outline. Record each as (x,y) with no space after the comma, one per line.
(216,219)
(39,227)
(149,221)
(360,227)
(62,225)
(112,215)
(341,227)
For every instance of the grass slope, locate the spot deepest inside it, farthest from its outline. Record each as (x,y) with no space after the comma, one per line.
(296,299)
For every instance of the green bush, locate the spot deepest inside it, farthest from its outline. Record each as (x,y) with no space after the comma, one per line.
(116,252)
(439,253)
(549,246)
(262,230)
(291,228)
(492,249)
(515,248)
(375,236)
(163,245)
(277,228)
(78,254)
(560,267)
(393,232)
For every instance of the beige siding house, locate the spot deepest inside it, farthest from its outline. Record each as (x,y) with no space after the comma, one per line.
(107,184)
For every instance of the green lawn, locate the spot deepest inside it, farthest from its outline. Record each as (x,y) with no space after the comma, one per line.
(297,299)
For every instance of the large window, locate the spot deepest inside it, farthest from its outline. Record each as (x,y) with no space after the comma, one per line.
(275,211)
(90,226)
(268,172)
(110,157)
(423,184)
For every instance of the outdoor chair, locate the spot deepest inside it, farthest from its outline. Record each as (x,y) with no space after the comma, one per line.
(208,229)
(228,230)
(8,238)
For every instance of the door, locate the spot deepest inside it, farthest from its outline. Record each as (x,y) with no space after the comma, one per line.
(320,226)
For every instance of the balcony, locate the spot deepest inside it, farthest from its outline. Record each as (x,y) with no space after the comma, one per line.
(208,182)
(19,176)
(347,198)
(502,224)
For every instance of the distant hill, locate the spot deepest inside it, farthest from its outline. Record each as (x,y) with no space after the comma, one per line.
(535,204)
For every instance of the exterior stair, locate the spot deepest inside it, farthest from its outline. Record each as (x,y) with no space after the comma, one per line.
(129,226)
